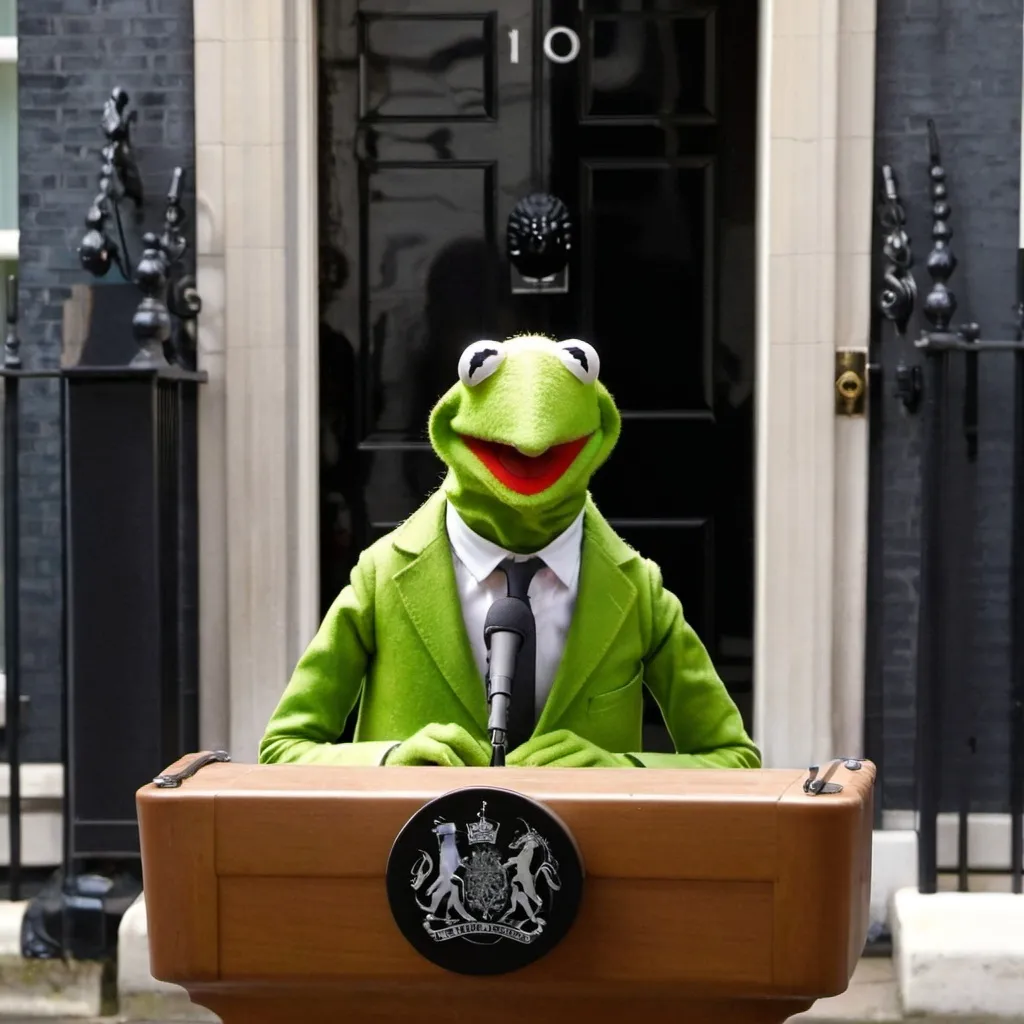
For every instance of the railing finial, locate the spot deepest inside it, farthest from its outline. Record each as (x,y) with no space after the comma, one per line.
(899,290)
(940,303)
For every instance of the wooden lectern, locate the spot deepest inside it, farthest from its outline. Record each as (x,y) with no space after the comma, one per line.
(711,897)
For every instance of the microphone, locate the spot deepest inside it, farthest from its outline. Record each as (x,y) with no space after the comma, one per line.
(506,627)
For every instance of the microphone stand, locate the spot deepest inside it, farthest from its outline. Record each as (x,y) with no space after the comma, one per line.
(504,632)
(499,696)
(498,747)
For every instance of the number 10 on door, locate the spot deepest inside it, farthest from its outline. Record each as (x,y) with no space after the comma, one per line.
(566,37)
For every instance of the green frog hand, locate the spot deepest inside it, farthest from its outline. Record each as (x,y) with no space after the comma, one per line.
(448,745)
(564,749)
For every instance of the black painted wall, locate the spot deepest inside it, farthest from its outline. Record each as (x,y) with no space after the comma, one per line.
(71,54)
(958,62)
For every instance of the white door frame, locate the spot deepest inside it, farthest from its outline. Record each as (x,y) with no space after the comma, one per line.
(815,185)
(255,75)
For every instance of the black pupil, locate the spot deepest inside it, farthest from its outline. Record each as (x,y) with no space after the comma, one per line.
(579,355)
(479,358)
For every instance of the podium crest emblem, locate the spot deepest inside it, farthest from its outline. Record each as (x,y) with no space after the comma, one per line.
(487,885)
(490,892)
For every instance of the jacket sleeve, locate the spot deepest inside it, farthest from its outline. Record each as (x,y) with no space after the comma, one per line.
(703,720)
(327,683)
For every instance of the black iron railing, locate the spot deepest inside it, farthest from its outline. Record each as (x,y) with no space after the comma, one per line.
(14,373)
(945,693)
(128,395)
(12,655)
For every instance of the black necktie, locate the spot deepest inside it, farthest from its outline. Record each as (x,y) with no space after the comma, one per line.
(522,710)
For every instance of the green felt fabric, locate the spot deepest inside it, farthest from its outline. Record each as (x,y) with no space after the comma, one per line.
(448,745)
(565,749)
(394,641)
(532,403)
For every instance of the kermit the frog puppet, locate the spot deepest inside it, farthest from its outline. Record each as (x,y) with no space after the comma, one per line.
(522,433)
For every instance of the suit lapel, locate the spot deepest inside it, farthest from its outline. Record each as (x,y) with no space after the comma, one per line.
(603,602)
(431,599)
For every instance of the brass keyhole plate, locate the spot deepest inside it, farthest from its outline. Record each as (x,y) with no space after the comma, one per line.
(850,382)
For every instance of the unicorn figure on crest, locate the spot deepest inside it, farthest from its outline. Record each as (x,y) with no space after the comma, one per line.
(524,896)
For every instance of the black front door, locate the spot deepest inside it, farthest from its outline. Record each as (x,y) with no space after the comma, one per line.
(435,119)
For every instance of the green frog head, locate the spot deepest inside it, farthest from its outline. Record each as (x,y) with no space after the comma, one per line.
(522,433)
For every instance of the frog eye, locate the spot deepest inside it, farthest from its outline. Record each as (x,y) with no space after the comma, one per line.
(479,361)
(580,359)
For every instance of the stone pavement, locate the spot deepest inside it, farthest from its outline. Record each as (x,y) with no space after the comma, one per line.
(872,998)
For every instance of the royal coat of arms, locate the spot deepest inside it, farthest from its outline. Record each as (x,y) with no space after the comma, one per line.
(478,891)
(482,880)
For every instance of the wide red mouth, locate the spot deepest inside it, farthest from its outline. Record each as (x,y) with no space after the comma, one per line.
(525,474)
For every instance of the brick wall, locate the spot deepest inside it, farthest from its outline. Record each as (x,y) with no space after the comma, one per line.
(71,54)
(958,62)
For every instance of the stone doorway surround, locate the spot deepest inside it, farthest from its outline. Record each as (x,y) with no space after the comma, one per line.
(256,139)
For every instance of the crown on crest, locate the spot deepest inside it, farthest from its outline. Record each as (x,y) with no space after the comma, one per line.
(483,830)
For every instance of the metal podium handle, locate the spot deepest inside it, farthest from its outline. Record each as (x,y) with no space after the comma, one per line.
(172,780)
(814,786)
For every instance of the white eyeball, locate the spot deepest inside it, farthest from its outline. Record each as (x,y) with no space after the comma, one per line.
(580,359)
(479,361)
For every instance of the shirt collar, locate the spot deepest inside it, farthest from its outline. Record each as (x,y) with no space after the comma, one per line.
(481,556)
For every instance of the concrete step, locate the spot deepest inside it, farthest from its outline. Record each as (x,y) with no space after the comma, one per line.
(45,989)
(959,953)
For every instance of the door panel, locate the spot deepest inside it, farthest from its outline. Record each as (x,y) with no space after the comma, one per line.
(429,135)
(647,238)
(438,67)
(653,149)
(422,158)
(650,68)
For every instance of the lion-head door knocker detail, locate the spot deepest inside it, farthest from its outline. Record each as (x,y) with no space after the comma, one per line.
(484,881)
(539,239)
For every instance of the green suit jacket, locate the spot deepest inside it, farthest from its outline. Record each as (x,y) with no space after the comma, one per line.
(395,641)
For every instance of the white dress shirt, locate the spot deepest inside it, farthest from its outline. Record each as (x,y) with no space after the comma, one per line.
(552,592)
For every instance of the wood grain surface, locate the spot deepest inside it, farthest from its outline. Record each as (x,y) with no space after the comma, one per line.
(397,1007)
(710,895)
